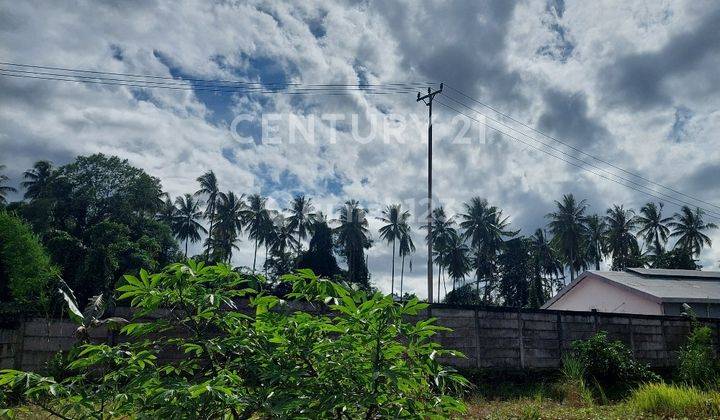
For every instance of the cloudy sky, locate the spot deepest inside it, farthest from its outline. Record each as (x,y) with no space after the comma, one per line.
(635,84)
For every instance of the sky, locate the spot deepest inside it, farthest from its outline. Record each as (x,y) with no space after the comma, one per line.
(634,83)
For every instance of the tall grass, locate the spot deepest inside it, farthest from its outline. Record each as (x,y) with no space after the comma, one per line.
(573,388)
(675,401)
(572,368)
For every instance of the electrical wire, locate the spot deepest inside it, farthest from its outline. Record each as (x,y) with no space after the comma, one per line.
(674,201)
(158,85)
(212,81)
(577,149)
(664,195)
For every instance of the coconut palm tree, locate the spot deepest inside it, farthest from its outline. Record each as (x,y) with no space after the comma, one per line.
(485,227)
(595,248)
(458,259)
(621,243)
(567,225)
(4,189)
(210,191)
(38,179)
(167,213)
(256,221)
(353,237)
(441,227)
(689,227)
(268,234)
(547,263)
(187,225)
(282,240)
(406,248)
(653,227)
(229,217)
(395,220)
(302,218)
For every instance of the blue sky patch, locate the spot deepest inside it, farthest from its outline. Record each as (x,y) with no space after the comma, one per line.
(678,132)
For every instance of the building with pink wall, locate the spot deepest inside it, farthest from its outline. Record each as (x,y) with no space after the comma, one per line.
(642,291)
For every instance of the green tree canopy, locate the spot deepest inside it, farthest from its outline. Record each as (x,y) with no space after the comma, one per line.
(97,217)
(4,189)
(26,272)
(319,257)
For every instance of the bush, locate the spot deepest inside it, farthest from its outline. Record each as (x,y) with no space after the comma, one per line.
(671,401)
(698,362)
(610,363)
(25,268)
(364,359)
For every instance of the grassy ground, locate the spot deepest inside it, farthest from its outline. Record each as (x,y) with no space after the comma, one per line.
(651,401)
(532,408)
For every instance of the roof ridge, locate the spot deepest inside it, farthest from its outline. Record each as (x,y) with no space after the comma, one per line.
(673,273)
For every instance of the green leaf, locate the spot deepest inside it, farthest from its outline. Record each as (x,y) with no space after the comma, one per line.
(67,294)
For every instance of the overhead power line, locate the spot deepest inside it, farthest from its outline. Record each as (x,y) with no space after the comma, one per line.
(592,165)
(671,200)
(131,77)
(190,87)
(577,149)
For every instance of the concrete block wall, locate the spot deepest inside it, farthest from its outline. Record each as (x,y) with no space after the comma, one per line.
(7,347)
(507,338)
(490,338)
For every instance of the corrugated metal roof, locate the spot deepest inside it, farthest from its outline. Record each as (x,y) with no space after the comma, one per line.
(667,286)
(659,272)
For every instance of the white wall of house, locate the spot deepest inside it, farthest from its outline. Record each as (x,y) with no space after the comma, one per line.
(593,293)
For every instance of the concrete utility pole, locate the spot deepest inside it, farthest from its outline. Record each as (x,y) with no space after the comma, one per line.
(428,100)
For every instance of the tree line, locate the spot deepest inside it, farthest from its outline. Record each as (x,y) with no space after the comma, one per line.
(100,217)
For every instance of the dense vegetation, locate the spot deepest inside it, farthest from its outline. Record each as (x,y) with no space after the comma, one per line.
(30,276)
(99,218)
(364,359)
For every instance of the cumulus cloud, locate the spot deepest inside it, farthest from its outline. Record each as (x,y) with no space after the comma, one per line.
(642,80)
(575,70)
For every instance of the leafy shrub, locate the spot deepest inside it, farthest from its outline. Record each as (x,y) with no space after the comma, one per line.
(672,401)
(25,268)
(363,359)
(610,363)
(698,361)
(463,295)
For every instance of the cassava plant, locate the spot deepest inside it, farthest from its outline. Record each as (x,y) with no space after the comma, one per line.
(91,316)
(347,355)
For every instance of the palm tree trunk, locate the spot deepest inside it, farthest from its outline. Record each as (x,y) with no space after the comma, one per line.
(212,219)
(255,255)
(572,264)
(392,277)
(597,258)
(402,273)
(477,275)
(186,247)
(265,262)
(438,288)
(444,283)
(486,293)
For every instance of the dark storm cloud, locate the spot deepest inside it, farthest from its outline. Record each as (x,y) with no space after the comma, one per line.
(705,180)
(462,44)
(566,117)
(638,80)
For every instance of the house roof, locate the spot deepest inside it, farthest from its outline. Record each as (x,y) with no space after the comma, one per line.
(682,286)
